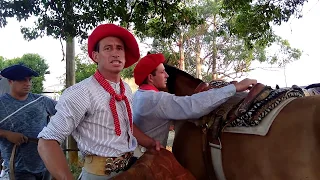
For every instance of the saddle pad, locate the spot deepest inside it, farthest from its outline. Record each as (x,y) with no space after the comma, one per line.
(263,127)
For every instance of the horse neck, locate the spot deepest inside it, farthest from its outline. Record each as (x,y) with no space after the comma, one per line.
(185,86)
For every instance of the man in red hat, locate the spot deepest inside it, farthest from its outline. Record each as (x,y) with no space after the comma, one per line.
(153,110)
(97,112)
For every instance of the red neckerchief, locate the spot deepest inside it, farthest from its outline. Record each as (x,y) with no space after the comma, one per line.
(148,87)
(119,97)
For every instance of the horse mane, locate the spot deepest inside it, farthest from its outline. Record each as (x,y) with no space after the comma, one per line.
(173,72)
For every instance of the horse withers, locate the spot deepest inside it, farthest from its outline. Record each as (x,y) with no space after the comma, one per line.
(290,149)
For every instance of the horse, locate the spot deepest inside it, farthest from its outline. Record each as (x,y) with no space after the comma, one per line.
(289,150)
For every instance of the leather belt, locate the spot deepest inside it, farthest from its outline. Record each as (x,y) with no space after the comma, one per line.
(106,165)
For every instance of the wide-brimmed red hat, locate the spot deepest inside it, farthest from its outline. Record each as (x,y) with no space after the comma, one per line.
(132,52)
(145,67)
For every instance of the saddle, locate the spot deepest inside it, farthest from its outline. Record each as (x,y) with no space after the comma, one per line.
(243,109)
(257,93)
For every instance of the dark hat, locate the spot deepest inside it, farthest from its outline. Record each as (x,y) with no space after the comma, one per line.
(18,72)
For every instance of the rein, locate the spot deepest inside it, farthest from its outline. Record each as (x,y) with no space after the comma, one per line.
(13,155)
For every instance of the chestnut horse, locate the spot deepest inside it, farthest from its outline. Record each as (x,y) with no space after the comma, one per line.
(290,149)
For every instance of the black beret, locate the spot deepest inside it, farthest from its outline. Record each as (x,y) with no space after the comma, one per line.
(18,72)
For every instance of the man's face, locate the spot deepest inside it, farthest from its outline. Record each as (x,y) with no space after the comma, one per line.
(160,79)
(111,55)
(21,87)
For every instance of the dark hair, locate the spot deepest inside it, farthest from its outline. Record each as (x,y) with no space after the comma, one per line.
(153,73)
(96,47)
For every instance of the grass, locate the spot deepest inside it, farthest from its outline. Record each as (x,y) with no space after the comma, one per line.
(75,169)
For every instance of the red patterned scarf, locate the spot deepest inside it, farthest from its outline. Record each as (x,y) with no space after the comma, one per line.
(119,97)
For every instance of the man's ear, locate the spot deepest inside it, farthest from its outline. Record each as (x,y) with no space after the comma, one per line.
(95,56)
(150,78)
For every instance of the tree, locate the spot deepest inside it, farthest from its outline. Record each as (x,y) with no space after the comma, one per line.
(2,59)
(212,51)
(33,61)
(252,20)
(69,19)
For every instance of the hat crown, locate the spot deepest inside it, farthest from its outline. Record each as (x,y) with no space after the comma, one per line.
(18,72)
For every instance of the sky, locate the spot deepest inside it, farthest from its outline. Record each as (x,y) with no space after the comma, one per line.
(302,33)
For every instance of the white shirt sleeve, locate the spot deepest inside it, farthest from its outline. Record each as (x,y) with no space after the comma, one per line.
(168,106)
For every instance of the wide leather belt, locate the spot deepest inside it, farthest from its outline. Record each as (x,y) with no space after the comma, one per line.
(106,165)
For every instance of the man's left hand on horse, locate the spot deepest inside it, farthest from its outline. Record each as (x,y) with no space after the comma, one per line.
(145,140)
(155,146)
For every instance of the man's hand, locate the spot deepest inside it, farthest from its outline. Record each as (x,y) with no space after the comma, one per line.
(244,84)
(145,140)
(155,145)
(16,138)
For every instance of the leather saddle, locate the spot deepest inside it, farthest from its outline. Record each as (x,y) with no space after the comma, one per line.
(257,93)
(213,123)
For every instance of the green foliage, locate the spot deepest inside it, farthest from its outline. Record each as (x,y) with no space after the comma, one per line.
(252,20)
(128,72)
(223,52)
(75,170)
(1,63)
(84,69)
(63,19)
(33,61)
(284,54)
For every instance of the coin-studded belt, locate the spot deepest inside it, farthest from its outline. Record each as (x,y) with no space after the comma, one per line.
(106,165)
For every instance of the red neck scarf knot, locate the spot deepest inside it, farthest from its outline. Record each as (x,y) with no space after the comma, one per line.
(115,97)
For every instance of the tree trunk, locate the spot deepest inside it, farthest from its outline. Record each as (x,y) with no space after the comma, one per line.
(70,80)
(214,50)
(198,59)
(181,52)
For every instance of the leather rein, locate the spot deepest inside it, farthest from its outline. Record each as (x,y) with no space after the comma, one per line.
(13,156)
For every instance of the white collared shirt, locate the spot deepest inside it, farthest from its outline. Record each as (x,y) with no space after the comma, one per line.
(152,111)
(83,110)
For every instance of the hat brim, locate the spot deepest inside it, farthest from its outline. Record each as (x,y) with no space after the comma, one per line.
(18,72)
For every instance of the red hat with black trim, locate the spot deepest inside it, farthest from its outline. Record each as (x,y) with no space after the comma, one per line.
(145,67)
(132,52)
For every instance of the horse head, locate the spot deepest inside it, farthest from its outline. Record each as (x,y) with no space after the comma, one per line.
(178,79)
